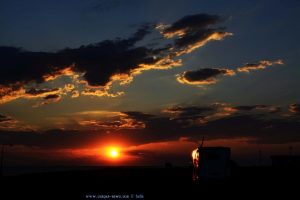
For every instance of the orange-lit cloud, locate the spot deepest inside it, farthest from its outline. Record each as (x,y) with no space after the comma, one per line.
(11,92)
(46,94)
(75,94)
(93,69)
(208,76)
(201,115)
(35,93)
(183,123)
(122,123)
(110,120)
(163,63)
(7,123)
(100,93)
(192,32)
(200,43)
(60,72)
(11,124)
(51,98)
(259,66)
(205,76)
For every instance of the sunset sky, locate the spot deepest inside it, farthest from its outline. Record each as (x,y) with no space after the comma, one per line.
(148,79)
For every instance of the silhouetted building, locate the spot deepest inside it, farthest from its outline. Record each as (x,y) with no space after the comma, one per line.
(211,162)
(286,161)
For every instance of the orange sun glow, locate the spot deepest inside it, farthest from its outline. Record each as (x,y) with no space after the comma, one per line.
(113,152)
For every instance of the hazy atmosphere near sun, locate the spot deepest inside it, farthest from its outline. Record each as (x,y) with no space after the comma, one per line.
(141,82)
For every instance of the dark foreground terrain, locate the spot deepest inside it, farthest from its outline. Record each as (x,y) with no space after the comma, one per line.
(151,183)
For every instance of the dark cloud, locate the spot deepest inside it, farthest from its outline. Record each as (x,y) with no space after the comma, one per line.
(258,65)
(98,65)
(4,118)
(226,122)
(258,129)
(188,112)
(255,127)
(100,62)
(104,59)
(34,91)
(247,108)
(192,23)
(112,120)
(113,123)
(263,127)
(51,96)
(207,76)
(20,66)
(259,108)
(203,76)
(138,115)
(9,123)
(194,31)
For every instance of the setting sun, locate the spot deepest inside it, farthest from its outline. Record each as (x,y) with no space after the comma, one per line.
(113,152)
